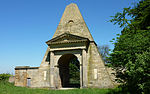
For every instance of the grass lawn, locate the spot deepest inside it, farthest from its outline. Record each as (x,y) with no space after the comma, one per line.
(8,88)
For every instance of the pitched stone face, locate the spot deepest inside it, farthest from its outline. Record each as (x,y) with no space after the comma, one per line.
(72,38)
(73,22)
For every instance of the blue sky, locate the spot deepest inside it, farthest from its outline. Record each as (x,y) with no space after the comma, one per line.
(25,26)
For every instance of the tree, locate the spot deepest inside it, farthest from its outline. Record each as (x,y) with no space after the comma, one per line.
(131,54)
(74,72)
(104,51)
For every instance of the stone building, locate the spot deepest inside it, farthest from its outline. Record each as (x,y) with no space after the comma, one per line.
(72,39)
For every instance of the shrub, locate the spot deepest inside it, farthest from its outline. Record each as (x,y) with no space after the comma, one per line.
(4,76)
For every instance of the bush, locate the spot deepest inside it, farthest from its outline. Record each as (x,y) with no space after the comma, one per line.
(4,76)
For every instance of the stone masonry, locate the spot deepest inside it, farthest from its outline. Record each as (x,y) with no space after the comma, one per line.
(71,39)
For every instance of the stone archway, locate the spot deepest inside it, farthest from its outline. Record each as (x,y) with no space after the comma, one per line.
(69,70)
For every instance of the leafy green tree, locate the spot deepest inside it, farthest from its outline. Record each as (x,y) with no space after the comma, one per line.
(131,54)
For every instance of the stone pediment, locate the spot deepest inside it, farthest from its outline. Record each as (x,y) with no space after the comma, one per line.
(67,38)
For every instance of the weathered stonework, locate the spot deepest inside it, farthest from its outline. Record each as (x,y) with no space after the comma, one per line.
(71,39)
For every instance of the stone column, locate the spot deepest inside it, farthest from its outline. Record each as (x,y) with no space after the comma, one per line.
(81,71)
(84,63)
(51,69)
(56,77)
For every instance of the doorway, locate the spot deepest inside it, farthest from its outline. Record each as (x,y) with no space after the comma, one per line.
(28,82)
(69,71)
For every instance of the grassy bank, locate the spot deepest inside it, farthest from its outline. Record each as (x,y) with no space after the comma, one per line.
(8,88)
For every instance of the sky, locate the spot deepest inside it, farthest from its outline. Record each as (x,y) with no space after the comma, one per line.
(25,26)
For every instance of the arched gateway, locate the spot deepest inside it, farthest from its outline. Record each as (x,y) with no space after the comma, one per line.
(61,53)
(72,39)
(69,71)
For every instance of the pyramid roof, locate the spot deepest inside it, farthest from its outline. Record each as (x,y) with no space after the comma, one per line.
(73,22)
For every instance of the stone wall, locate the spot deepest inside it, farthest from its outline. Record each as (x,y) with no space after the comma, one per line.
(44,77)
(94,73)
(112,74)
(98,76)
(22,73)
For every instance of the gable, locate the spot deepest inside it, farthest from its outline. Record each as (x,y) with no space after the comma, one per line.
(66,38)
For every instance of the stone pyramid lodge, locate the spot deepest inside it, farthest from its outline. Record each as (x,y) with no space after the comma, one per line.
(72,39)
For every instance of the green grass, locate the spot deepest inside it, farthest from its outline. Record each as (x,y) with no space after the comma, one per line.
(8,88)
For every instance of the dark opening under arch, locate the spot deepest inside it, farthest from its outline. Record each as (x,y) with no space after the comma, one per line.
(69,70)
